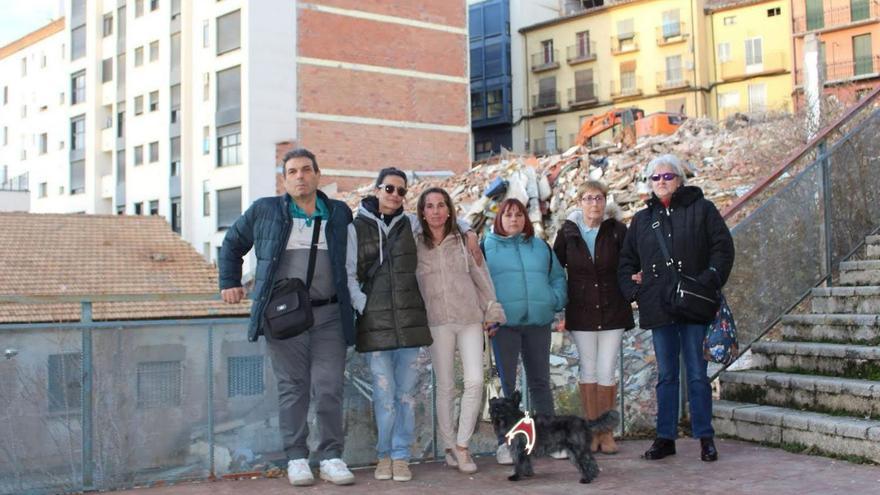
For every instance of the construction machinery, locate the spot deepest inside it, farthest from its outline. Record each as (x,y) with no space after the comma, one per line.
(634,124)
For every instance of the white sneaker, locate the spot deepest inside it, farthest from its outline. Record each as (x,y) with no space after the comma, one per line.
(299,473)
(502,455)
(335,471)
(559,454)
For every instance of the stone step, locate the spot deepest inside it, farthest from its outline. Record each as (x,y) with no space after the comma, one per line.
(843,360)
(831,435)
(861,300)
(861,329)
(860,272)
(873,243)
(826,394)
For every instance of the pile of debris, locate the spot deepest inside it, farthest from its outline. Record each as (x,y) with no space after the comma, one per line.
(724,160)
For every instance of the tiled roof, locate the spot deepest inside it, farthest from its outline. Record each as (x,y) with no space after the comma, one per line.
(716,5)
(51,255)
(32,38)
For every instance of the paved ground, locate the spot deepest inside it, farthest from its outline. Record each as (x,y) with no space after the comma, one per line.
(742,468)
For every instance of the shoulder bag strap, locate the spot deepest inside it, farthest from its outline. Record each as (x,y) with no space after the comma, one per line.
(313,251)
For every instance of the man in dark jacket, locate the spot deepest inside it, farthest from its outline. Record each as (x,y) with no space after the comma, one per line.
(280,229)
(701,247)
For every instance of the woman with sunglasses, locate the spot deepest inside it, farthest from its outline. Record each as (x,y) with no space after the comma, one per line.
(530,285)
(588,245)
(460,300)
(392,323)
(700,246)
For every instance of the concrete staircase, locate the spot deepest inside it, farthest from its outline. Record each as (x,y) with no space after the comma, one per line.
(818,389)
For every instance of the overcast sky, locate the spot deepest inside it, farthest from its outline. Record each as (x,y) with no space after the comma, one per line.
(19,17)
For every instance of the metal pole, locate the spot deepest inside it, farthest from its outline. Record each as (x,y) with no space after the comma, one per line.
(88,469)
(826,206)
(210,366)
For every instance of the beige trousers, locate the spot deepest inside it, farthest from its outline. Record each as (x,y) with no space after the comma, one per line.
(469,341)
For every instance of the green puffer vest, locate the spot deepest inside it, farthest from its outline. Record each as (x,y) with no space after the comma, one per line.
(394,316)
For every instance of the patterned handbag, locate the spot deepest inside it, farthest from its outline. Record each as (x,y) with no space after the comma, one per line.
(720,344)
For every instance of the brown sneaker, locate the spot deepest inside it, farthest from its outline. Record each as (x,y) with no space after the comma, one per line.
(401,470)
(383,469)
(465,463)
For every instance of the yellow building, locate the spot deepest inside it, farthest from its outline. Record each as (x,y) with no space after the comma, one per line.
(650,54)
(752,59)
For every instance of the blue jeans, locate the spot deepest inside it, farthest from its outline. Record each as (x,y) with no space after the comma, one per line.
(671,341)
(395,374)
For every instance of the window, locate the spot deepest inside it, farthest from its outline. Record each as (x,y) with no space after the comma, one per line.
(78,177)
(206,198)
(43,147)
(154,207)
(228,148)
(583,86)
(107,25)
(154,51)
(206,140)
(477,112)
(206,30)
(78,133)
(754,55)
(138,8)
(206,86)
(5,95)
(139,155)
(107,70)
(229,32)
(229,96)
(175,215)
(175,104)
(154,4)
(476,62)
(43,190)
(78,88)
(547,92)
(175,157)
(724,52)
(5,135)
(77,43)
(671,24)
(43,60)
(120,71)
(154,151)
(775,11)
(757,97)
(245,375)
(138,208)
(859,10)
(139,56)
(120,166)
(138,105)
(494,57)
(120,124)
(582,41)
(728,100)
(158,384)
(154,101)
(673,69)
(730,20)
(494,103)
(120,210)
(65,382)
(547,49)
(625,29)
(861,47)
(815,14)
(228,207)
(628,77)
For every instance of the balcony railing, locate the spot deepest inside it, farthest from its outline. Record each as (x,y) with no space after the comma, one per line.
(670,33)
(545,60)
(581,52)
(668,80)
(838,17)
(626,88)
(624,43)
(17,183)
(771,62)
(545,102)
(583,95)
(545,145)
(837,72)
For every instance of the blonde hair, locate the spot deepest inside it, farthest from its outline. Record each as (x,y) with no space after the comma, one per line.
(592,185)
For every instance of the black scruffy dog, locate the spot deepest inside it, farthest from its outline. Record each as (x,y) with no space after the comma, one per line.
(554,433)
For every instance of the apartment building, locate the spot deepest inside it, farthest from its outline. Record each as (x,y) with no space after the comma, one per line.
(181,108)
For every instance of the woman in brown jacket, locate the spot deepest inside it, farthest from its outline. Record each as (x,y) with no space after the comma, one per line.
(460,302)
(588,245)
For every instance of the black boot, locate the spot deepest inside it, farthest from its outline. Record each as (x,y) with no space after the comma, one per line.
(708,452)
(661,448)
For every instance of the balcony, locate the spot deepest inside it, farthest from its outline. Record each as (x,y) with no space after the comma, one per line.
(545,60)
(671,33)
(583,95)
(771,63)
(624,43)
(628,88)
(830,19)
(671,80)
(546,145)
(846,71)
(581,53)
(545,102)
(108,139)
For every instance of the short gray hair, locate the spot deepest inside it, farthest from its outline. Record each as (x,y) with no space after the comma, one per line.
(670,161)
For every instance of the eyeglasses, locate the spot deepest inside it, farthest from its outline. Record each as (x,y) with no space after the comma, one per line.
(668,176)
(593,199)
(389,189)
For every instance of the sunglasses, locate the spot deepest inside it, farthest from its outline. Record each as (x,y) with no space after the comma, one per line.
(389,189)
(668,176)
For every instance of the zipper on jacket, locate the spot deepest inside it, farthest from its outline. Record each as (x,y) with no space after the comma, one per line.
(393,290)
(288,222)
(525,280)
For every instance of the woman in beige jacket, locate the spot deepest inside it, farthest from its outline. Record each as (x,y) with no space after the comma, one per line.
(460,302)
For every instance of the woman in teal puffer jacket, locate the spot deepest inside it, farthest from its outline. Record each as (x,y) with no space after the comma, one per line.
(530,285)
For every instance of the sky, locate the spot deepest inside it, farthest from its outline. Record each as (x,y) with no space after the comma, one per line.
(19,17)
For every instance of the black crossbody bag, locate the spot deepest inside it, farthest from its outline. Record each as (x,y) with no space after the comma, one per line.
(689,298)
(289,311)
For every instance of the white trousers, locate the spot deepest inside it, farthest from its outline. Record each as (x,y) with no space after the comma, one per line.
(598,353)
(469,340)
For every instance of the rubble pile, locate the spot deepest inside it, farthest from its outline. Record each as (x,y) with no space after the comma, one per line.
(724,160)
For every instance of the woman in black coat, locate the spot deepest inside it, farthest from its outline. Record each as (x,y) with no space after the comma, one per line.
(701,246)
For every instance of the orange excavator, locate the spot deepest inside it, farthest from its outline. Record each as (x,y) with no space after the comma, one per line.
(633,122)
